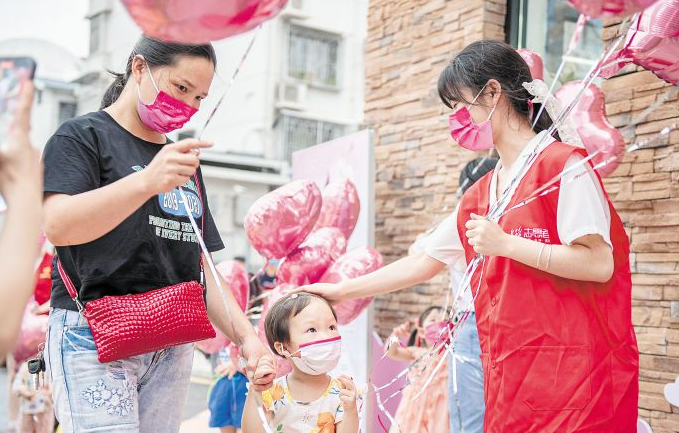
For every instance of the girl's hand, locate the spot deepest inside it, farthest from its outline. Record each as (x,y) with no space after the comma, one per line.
(261,367)
(173,165)
(229,370)
(402,331)
(348,394)
(487,237)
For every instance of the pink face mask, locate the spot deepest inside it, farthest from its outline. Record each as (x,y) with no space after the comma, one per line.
(432,332)
(468,134)
(166,113)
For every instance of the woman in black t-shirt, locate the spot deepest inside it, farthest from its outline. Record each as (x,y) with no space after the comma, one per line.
(114,212)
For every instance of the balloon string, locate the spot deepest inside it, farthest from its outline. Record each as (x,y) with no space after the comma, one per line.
(232,80)
(211,264)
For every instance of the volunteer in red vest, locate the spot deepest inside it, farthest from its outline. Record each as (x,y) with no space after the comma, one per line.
(553,294)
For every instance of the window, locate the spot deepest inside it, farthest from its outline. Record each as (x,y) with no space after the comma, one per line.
(546,27)
(312,56)
(67,110)
(299,133)
(96,31)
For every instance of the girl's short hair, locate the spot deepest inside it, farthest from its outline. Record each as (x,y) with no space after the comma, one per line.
(277,320)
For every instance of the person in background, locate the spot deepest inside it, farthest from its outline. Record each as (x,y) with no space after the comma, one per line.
(226,399)
(427,413)
(21,181)
(35,406)
(267,279)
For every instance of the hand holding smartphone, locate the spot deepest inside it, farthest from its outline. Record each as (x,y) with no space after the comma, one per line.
(20,168)
(15,72)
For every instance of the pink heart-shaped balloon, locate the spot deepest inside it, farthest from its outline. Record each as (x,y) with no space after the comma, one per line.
(610,8)
(591,123)
(652,42)
(341,207)
(279,221)
(308,262)
(353,264)
(534,62)
(199,22)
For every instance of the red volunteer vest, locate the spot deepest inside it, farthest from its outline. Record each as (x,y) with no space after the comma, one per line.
(559,355)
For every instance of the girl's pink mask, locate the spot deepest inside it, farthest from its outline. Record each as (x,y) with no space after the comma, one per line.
(166,113)
(467,133)
(432,332)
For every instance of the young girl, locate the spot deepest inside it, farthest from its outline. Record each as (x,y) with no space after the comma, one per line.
(428,413)
(553,307)
(303,328)
(114,212)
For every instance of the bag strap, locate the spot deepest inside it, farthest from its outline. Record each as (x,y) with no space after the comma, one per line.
(73,292)
(202,226)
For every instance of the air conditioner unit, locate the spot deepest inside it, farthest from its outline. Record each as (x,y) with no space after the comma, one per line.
(291,95)
(295,10)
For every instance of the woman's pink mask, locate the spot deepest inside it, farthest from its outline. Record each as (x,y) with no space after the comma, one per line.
(166,113)
(467,133)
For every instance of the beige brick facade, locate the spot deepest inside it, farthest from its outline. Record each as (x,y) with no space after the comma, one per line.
(409,43)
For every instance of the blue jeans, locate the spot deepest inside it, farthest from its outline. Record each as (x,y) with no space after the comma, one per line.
(144,393)
(465,382)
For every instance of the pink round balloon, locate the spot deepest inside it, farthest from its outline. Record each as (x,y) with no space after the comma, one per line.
(236,277)
(353,264)
(308,262)
(31,335)
(199,22)
(283,366)
(341,207)
(653,43)
(534,62)
(279,221)
(589,119)
(610,8)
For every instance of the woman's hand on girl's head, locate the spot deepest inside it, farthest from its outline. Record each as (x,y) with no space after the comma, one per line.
(332,292)
(487,237)
(173,165)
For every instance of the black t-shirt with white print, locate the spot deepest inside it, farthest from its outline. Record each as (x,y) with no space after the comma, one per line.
(154,247)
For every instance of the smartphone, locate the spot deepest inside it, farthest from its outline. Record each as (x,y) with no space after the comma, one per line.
(14,72)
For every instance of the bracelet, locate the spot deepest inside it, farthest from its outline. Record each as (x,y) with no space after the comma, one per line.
(540,255)
(549,257)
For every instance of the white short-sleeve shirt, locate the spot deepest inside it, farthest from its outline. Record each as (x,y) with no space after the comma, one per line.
(582,210)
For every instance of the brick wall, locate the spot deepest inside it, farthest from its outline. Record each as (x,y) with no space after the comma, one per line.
(409,43)
(645,191)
